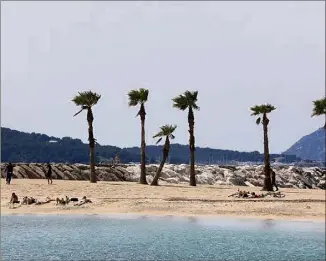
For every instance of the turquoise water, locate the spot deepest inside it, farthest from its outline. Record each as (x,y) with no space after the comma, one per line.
(97,237)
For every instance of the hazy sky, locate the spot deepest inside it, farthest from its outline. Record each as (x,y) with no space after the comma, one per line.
(236,54)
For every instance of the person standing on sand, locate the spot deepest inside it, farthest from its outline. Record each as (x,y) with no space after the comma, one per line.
(49,173)
(9,169)
(274,180)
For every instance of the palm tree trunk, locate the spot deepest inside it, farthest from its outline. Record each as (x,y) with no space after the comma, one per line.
(91,140)
(191,122)
(92,165)
(267,169)
(166,150)
(142,179)
(324,163)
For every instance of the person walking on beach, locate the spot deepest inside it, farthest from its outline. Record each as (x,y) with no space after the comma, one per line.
(274,180)
(49,173)
(9,169)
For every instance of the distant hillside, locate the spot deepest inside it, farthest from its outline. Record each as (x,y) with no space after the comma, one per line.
(17,146)
(310,147)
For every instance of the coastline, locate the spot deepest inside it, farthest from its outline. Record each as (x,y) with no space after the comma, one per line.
(137,215)
(180,200)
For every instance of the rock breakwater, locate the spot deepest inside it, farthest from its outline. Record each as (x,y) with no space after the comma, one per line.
(286,176)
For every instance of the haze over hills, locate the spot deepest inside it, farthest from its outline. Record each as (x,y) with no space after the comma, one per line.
(17,146)
(310,147)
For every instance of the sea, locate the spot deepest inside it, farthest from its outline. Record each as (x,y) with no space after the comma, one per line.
(136,237)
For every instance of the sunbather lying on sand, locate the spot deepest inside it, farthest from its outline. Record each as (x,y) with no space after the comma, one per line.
(28,201)
(83,201)
(246,194)
(275,194)
(47,200)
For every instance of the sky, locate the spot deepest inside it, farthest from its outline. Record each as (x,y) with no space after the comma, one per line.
(236,54)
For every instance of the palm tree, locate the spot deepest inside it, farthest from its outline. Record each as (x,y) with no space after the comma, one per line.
(319,108)
(167,132)
(139,97)
(264,110)
(87,100)
(188,100)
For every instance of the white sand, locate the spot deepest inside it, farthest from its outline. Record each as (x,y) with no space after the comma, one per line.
(182,200)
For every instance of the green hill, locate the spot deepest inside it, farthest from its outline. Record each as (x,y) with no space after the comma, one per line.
(17,146)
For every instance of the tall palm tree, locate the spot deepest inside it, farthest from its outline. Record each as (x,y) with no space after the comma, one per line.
(263,110)
(167,132)
(139,97)
(188,100)
(319,108)
(87,100)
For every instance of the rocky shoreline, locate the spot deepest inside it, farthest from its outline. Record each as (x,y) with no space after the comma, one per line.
(286,176)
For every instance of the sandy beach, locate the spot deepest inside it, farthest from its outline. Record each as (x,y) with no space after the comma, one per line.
(180,200)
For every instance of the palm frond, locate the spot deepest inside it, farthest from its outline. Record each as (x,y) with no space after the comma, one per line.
(186,100)
(191,96)
(86,98)
(138,96)
(319,107)
(261,109)
(195,107)
(255,110)
(159,134)
(165,131)
(258,121)
(78,112)
(180,102)
(269,108)
(159,140)
(133,97)
(143,95)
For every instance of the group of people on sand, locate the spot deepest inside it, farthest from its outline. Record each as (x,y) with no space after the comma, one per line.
(67,200)
(28,200)
(10,169)
(248,194)
(31,200)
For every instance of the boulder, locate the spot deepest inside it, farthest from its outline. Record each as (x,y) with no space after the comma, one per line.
(247,183)
(236,181)
(151,168)
(221,183)
(172,180)
(321,184)
(168,173)
(149,179)
(205,178)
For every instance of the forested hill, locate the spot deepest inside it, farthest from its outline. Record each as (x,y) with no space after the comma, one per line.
(310,147)
(17,146)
